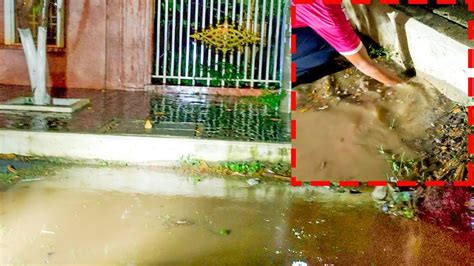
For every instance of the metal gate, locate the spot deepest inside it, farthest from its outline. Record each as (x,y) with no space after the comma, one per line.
(251,32)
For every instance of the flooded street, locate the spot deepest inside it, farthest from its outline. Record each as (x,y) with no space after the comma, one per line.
(344,120)
(130,215)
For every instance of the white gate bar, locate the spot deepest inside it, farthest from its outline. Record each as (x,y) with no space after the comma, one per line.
(216,60)
(9,14)
(224,57)
(277,52)
(158,40)
(173,38)
(239,54)
(195,43)
(203,26)
(254,46)
(60,23)
(180,52)
(165,59)
(209,50)
(188,32)
(269,42)
(262,40)
(247,49)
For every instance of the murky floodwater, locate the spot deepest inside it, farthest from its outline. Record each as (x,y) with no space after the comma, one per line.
(160,217)
(343,120)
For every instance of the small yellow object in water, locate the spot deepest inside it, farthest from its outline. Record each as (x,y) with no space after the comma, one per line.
(148,124)
(11,169)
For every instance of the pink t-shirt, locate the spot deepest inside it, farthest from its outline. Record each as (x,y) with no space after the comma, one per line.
(331,23)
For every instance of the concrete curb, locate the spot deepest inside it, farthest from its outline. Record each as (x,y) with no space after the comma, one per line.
(436,47)
(138,150)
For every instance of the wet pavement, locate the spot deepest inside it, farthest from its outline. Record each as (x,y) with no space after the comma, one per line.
(130,215)
(126,112)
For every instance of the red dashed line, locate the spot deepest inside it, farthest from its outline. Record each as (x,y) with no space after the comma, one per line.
(349,183)
(320,183)
(470,58)
(470,177)
(470,5)
(435,183)
(293,14)
(377,183)
(406,183)
(389,2)
(293,157)
(470,87)
(303,2)
(332,2)
(360,2)
(470,109)
(446,2)
(293,43)
(470,115)
(293,129)
(293,72)
(470,144)
(295,182)
(417,2)
(470,29)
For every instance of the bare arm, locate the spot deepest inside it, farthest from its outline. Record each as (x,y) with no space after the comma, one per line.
(366,65)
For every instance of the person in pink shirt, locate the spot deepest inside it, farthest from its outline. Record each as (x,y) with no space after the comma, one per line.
(322,31)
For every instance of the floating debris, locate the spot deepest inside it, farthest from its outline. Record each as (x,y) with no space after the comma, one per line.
(224,232)
(354,191)
(253,181)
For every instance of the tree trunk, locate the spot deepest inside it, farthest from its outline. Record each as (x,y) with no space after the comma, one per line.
(36,58)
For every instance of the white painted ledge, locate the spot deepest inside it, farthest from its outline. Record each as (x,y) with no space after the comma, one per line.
(59,105)
(136,149)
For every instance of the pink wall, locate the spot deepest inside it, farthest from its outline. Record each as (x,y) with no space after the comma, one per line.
(97,55)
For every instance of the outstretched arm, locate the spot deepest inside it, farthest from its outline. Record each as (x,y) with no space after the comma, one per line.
(366,65)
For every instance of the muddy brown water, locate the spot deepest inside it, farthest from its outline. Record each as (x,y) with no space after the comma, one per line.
(344,119)
(152,216)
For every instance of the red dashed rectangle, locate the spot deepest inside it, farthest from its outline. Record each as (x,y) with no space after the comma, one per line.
(389,2)
(320,183)
(293,129)
(293,158)
(293,72)
(470,115)
(470,30)
(470,5)
(293,14)
(304,1)
(470,177)
(332,2)
(470,87)
(470,58)
(470,144)
(435,183)
(349,183)
(470,109)
(293,100)
(295,182)
(293,43)
(446,2)
(406,183)
(417,2)
(377,183)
